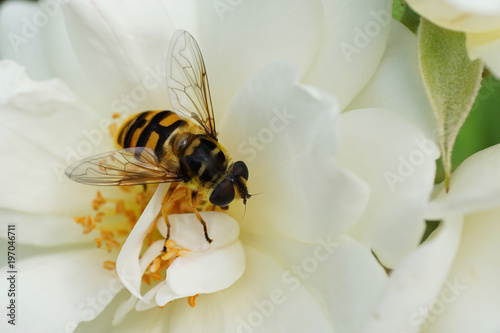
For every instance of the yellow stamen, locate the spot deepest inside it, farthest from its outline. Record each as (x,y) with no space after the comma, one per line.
(170,254)
(114,218)
(170,244)
(155,265)
(86,222)
(120,207)
(125,188)
(192,300)
(155,275)
(109,265)
(140,197)
(183,252)
(98,217)
(146,279)
(98,201)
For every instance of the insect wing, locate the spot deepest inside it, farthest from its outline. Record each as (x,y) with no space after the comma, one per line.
(131,166)
(188,82)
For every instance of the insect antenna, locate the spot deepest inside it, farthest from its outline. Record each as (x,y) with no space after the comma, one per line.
(245,203)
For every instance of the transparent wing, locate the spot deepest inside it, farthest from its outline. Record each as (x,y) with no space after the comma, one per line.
(188,82)
(131,166)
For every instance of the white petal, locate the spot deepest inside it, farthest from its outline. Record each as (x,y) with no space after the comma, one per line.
(45,230)
(162,226)
(487,47)
(151,321)
(239,37)
(148,302)
(416,282)
(122,46)
(398,163)
(20,38)
(287,135)
(476,16)
(204,273)
(128,265)
(486,7)
(470,301)
(188,233)
(397,85)
(341,273)
(63,61)
(474,186)
(260,301)
(51,128)
(134,321)
(124,309)
(356,34)
(153,251)
(57,291)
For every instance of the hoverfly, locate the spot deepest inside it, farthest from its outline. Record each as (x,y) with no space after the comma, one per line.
(173,147)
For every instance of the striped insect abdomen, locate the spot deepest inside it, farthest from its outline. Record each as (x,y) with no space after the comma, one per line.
(150,129)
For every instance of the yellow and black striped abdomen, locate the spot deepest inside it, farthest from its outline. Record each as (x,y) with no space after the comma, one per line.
(150,129)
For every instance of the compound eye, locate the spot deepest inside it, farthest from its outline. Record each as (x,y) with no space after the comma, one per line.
(223,194)
(240,169)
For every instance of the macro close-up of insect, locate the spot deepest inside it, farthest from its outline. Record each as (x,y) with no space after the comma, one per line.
(371,128)
(178,146)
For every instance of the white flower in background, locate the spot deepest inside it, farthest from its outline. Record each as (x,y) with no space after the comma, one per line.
(449,284)
(367,172)
(480,20)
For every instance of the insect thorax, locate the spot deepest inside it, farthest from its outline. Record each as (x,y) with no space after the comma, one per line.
(203,160)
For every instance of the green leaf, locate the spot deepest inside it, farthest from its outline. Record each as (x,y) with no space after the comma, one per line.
(404,14)
(452,82)
(398,9)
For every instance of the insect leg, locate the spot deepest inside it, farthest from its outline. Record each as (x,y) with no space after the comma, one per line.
(166,205)
(194,197)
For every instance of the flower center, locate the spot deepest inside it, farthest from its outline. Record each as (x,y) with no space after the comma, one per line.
(114,219)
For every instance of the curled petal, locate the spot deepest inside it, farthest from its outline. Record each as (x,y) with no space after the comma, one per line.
(205,273)
(128,266)
(187,231)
